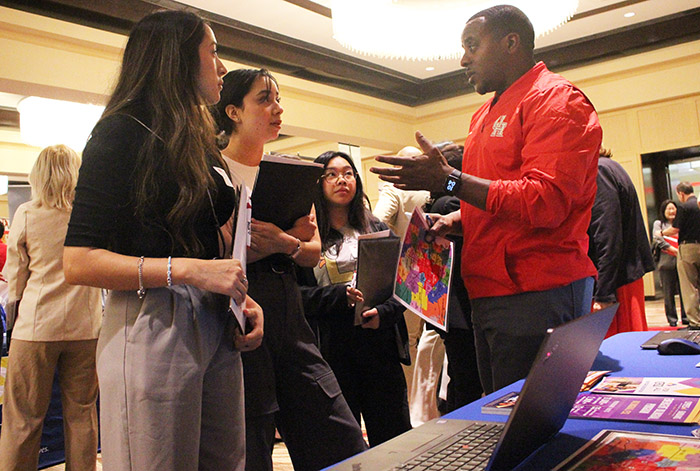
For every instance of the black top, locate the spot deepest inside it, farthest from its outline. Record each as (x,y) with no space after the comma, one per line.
(619,245)
(332,320)
(688,221)
(104,212)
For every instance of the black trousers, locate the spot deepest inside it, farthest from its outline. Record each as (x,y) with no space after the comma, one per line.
(462,368)
(372,380)
(289,384)
(671,287)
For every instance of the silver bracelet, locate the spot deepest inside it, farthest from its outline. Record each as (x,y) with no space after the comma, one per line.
(296,251)
(170,271)
(141,292)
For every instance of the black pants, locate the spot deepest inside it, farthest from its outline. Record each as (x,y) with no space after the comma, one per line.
(671,287)
(289,384)
(464,386)
(372,380)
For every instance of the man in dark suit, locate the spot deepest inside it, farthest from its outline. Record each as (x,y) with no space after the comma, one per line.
(687,227)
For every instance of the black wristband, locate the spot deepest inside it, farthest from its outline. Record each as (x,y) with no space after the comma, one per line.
(452,182)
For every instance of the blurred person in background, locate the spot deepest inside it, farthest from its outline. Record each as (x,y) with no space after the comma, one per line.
(665,251)
(56,325)
(686,226)
(619,247)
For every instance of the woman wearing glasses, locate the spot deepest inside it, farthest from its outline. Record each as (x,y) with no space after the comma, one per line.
(367,358)
(287,382)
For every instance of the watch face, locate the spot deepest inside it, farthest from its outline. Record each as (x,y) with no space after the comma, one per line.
(452,183)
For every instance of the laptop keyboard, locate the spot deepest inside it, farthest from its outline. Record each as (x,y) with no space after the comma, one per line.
(470,449)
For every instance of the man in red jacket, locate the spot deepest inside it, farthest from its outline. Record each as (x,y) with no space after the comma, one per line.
(527,186)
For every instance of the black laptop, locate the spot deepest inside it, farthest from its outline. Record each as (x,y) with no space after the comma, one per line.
(549,392)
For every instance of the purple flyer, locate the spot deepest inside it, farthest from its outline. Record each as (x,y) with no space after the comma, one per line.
(639,408)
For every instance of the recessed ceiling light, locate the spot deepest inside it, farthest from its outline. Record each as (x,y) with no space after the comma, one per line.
(629,14)
(430,68)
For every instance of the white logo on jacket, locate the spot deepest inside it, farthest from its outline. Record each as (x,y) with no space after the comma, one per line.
(499,126)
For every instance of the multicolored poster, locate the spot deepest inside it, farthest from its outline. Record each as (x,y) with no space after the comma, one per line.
(424,271)
(634,451)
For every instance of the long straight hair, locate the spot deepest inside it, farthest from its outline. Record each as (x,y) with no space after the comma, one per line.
(159,74)
(54,176)
(359,216)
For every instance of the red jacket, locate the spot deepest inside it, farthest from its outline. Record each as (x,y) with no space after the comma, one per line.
(539,145)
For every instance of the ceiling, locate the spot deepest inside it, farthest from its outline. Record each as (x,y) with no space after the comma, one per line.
(294,37)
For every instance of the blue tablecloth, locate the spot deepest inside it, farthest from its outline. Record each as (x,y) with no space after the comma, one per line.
(621,354)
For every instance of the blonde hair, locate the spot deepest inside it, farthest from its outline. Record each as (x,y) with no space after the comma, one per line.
(54,176)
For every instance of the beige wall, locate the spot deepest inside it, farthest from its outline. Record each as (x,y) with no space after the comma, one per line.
(647,102)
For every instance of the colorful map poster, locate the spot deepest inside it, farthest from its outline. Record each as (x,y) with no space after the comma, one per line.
(616,450)
(423,272)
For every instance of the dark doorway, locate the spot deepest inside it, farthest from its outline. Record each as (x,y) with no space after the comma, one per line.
(662,171)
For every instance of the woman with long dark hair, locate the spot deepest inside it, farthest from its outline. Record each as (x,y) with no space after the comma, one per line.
(287,382)
(666,264)
(366,359)
(152,196)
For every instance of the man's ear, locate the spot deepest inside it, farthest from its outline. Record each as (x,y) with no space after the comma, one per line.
(512,42)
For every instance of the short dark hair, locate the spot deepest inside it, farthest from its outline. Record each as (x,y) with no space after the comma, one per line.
(504,19)
(662,209)
(685,187)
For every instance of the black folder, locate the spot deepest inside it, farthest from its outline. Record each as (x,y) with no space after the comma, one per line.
(283,190)
(377,258)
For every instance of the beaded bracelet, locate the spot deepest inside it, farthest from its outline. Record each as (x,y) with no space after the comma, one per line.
(170,271)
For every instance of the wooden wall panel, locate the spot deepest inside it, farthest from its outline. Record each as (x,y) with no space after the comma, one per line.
(616,131)
(669,126)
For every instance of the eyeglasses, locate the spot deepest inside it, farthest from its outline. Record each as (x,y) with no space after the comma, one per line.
(333,175)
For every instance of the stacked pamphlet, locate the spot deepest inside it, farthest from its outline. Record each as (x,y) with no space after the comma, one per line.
(664,400)
(638,408)
(504,404)
(650,386)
